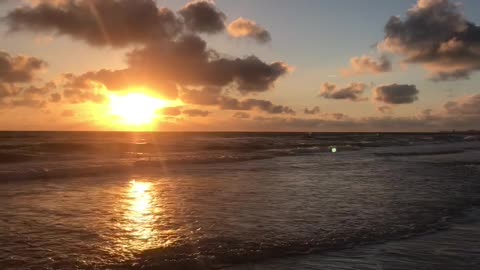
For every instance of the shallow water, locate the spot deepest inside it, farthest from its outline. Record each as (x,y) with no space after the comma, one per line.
(203,201)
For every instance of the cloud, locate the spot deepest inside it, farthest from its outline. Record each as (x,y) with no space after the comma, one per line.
(203,16)
(244,28)
(203,96)
(196,113)
(187,61)
(68,113)
(76,96)
(368,65)
(55,98)
(227,103)
(396,93)
(170,56)
(436,34)
(351,92)
(28,96)
(8,90)
(115,23)
(469,105)
(165,65)
(385,109)
(172,111)
(314,110)
(19,69)
(241,115)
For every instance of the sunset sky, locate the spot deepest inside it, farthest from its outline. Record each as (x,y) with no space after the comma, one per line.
(232,65)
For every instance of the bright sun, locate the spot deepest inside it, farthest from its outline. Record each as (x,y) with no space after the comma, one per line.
(135,108)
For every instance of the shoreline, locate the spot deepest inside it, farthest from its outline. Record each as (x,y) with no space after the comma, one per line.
(457,247)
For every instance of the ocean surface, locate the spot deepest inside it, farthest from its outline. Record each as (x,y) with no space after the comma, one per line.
(96,200)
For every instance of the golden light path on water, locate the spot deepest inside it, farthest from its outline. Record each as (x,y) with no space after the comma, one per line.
(141,212)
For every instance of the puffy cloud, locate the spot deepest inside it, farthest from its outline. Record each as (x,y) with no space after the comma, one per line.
(351,92)
(436,34)
(241,115)
(98,22)
(396,93)
(187,61)
(244,28)
(164,65)
(30,96)
(203,16)
(196,113)
(19,69)
(367,65)
(469,105)
(227,103)
(314,110)
(170,57)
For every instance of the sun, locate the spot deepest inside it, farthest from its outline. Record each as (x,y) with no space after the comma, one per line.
(135,108)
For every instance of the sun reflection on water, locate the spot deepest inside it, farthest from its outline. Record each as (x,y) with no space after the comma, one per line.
(140,215)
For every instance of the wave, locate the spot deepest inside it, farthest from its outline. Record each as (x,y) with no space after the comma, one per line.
(126,166)
(425,153)
(15,157)
(220,252)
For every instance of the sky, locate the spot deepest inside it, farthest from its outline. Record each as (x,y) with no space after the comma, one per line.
(226,65)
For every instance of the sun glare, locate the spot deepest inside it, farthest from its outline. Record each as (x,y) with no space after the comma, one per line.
(136,109)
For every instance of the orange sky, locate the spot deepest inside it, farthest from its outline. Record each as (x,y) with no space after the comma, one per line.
(217,66)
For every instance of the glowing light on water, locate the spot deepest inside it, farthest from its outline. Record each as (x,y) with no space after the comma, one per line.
(333,149)
(141,212)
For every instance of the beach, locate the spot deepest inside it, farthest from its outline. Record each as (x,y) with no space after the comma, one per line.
(96,200)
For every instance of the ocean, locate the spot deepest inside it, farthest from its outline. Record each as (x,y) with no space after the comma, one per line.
(118,200)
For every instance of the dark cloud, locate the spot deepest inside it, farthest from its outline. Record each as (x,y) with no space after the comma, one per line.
(169,58)
(227,103)
(469,105)
(172,111)
(314,110)
(29,96)
(368,65)
(203,16)
(204,96)
(196,113)
(241,115)
(111,79)
(187,61)
(352,92)
(98,22)
(396,93)
(55,97)
(244,28)
(436,34)
(19,69)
